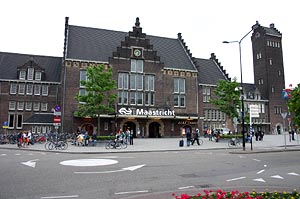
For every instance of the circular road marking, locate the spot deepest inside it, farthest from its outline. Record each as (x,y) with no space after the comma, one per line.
(88,162)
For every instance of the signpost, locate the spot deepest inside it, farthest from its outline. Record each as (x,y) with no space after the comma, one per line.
(283,117)
(56,118)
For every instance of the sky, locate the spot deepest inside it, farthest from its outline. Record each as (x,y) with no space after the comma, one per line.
(37,27)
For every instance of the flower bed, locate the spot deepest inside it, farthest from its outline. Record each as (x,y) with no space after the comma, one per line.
(220,194)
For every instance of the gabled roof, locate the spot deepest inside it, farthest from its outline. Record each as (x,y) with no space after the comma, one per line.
(210,72)
(92,44)
(10,62)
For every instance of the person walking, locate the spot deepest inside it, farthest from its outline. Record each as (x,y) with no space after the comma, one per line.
(188,137)
(209,134)
(131,137)
(196,137)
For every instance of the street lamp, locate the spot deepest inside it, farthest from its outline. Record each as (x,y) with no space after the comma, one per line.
(242,88)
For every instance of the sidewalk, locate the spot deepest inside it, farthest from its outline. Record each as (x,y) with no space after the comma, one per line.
(270,143)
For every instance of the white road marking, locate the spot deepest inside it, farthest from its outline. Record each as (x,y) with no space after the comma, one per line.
(277,177)
(3,154)
(88,162)
(30,163)
(54,197)
(259,180)
(114,171)
(17,154)
(187,187)
(293,174)
(242,156)
(233,179)
(260,171)
(256,160)
(265,165)
(129,192)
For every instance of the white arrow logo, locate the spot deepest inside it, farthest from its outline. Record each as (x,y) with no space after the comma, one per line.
(30,163)
(114,171)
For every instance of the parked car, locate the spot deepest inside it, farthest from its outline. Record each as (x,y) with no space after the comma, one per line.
(223,131)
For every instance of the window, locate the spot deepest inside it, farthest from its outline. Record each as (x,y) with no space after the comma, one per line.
(22,75)
(260,81)
(262,108)
(36,106)
(179,92)
(20,106)
(38,75)
(37,89)
(29,89)
(28,106)
(21,89)
(44,106)
(83,77)
(45,90)
(13,88)
(11,121)
(30,73)
(12,106)
(273,89)
(206,94)
(277,109)
(270,62)
(19,121)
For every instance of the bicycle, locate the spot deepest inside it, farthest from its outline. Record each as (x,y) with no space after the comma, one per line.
(116,144)
(58,145)
(234,142)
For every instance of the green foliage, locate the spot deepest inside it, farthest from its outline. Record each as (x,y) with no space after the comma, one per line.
(227,98)
(98,98)
(294,105)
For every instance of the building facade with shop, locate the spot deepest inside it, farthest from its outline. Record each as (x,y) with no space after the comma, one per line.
(162,89)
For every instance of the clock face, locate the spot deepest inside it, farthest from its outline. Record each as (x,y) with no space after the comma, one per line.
(137,52)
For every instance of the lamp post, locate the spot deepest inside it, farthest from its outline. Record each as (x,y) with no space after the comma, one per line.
(242,87)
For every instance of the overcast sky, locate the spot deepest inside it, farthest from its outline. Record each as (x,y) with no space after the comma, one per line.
(37,27)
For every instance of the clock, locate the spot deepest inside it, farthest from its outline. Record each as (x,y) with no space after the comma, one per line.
(137,52)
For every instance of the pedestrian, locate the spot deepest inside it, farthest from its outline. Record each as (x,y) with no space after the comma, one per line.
(127,135)
(196,137)
(188,137)
(131,137)
(20,139)
(209,134)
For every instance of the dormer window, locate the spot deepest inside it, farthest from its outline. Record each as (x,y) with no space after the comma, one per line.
(30,73)
(38,75)
(22,75)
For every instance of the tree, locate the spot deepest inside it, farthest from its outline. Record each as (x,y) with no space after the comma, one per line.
(294,105)
(227,98)
(99,97)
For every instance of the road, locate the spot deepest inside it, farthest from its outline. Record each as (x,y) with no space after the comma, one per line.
(42,175)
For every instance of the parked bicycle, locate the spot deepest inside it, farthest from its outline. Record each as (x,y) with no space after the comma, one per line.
(58,145)
(234,142)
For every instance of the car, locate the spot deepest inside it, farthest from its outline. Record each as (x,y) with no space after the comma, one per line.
(223,131)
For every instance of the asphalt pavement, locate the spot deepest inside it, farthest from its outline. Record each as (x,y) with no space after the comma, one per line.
(270,143)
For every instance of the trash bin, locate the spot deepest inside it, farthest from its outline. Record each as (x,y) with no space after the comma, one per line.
(181,143)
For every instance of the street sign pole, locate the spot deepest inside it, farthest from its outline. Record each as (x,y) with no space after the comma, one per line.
(283,132)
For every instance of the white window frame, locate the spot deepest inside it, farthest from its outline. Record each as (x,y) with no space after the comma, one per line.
(38,75)
(30,74)
(12,105)
(13,88)
(45,90)
(28,106)
(22,75)
(21,90)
